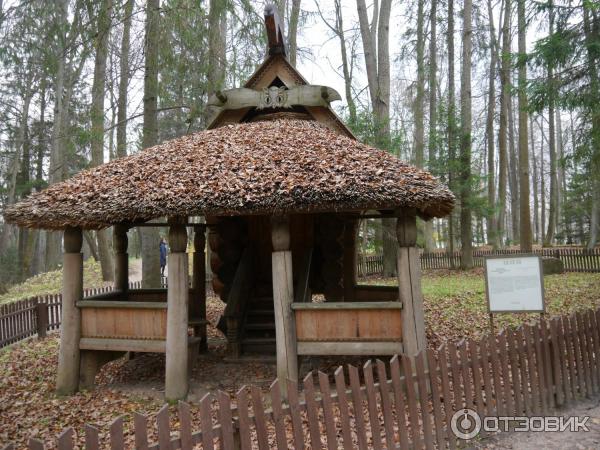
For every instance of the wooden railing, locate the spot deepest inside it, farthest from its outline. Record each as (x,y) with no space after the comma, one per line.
(408,403)
(574,259)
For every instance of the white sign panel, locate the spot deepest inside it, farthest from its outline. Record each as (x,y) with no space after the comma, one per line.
(514,284)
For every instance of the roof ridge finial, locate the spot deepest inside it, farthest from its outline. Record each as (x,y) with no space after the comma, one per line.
(275,35)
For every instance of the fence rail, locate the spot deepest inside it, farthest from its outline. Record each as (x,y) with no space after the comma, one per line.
(574,259)
(406,403)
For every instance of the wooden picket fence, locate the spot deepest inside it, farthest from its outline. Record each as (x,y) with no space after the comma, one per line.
(37,315)
(574,259)
(407,402)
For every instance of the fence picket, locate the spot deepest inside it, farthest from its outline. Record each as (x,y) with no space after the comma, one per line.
(312,412)
(259,417)
(297,429)
(185,426)
(570,355)
(206,422)
(593,326)
(65,440)
(35,444)
(399,401)
(436,395)
(532,369)
(386,406)
(578,355)
(278,417)
(330,428)
(411,398)
(357,407)
(585,358)
(92,440)
(164,428)
(558,367)
(545,343)
(340,389)
(242,408)
(540,366)
(140,424)
(517,381)
(226,421)
(372,405)
(117,441)
(424,399)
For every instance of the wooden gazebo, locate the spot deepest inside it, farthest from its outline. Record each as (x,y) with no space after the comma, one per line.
(282,184)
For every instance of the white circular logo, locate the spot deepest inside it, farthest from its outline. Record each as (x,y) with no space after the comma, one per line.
(465,424)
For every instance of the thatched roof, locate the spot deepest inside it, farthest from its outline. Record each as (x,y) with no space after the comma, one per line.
(282,166)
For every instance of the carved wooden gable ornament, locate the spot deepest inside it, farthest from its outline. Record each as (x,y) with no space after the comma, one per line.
(276,89)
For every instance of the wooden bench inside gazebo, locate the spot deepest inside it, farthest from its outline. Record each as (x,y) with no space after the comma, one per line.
(280,184)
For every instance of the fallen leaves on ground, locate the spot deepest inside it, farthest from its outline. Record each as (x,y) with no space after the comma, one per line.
(455,308)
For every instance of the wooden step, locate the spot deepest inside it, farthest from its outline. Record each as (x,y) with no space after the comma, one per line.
(258,345)
(261,312)
(260,326)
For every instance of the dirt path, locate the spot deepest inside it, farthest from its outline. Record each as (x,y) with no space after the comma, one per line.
(554,440)
(135,270)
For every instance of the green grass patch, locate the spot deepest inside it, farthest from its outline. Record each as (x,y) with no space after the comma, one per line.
(51,282)
(456,306)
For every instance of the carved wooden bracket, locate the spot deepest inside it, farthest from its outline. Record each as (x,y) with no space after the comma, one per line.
(274,97)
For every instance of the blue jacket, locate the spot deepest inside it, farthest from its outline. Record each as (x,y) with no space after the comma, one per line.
(163,253)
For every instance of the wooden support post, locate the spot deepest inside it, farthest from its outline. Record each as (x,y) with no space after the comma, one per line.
(283,296)
(121,258)
(350,228)
(198,305)
(42,318)
(409,283)
(176,376)
(67,379)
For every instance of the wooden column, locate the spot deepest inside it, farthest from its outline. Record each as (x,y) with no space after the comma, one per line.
(283,296)
(350,228)
(409,283)
(67,378)
(198,306)
(121,258)
(176,376)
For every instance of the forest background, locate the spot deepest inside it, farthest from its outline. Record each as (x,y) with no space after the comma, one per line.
(499,98)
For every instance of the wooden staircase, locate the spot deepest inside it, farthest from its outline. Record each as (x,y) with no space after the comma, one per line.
(258,327)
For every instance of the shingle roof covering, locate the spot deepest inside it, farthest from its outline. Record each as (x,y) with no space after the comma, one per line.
(268,167)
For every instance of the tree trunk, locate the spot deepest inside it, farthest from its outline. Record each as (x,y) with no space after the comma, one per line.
(526,240)
(377,61)
(503,131)
(490,136)
(97,118)
(553,204)
(560,174)
(536,216)
(513,172)
(56,169)
(466,233)
(346,65)
(124,81)
(149,235)
(293,31)
(595,95)
(432,144)
(542,182)
(451,121)
(418,108)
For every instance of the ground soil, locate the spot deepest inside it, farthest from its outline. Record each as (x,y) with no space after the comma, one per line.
(554,440)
